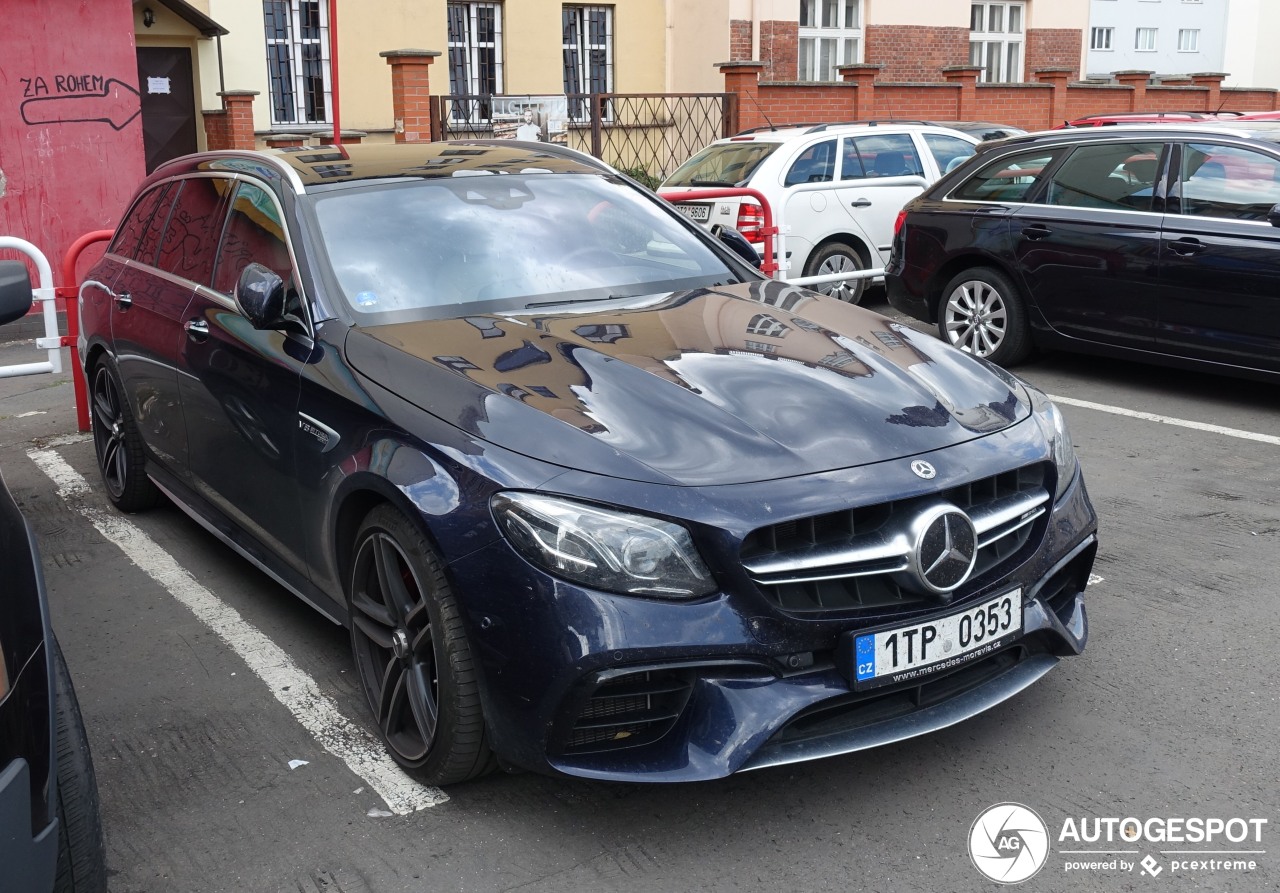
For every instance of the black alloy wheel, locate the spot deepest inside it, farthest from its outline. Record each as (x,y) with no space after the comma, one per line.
(413,655)
(836,257)
(118,445)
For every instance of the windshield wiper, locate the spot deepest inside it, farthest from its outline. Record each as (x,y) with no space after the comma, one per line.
(711,183)
(574,301)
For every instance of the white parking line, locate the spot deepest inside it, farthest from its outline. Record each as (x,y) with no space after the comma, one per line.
(286,681)
(1169,420)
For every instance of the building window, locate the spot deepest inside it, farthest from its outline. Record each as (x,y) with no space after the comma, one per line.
(588,55)
(996,40)
(1188,40)
(1145,39)
(830,36)
(1100,38)
(298,61)
(475,59)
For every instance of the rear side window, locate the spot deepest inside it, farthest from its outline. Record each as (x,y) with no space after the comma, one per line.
(130,232)
(1227,181)
(816,164)
(724,164)
(1007,179)
(1119,176)
(254,234)
(948,151)
(880,155)
(190,242)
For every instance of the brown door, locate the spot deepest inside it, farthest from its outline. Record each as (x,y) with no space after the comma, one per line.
(168,103)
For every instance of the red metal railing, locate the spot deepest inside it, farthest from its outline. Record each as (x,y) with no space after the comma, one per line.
(769,263)
(70,291)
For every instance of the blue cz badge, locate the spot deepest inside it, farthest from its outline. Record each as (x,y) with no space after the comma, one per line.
(865,655)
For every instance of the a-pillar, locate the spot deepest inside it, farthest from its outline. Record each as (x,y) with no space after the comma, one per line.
(742,79)
(1212,81)
(411,93)
(863,75)
(1057,78)
(1137,80)
(967,77)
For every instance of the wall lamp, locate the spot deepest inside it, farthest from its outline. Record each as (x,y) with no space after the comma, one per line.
(148,17)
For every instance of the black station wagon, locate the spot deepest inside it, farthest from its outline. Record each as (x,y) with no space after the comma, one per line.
(592,496)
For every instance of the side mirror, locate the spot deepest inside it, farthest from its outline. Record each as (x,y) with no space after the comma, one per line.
(15,290)
(1273,216)
(260,297)
(737,243)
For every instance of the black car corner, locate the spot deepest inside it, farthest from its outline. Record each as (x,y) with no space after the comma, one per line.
(50,828)
(1158,243)
(591,495)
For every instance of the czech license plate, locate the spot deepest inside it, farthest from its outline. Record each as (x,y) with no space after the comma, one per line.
(911,652)
(700,213)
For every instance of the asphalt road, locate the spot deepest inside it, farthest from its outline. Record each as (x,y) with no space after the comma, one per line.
(1173,711)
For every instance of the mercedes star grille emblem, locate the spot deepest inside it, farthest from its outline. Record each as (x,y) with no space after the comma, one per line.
(924,470)
(946,548)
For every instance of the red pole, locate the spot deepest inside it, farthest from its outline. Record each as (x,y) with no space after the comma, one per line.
(333,69)
(71,292)
(768,263)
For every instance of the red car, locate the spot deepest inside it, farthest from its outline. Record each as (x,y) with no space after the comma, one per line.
(1141,118)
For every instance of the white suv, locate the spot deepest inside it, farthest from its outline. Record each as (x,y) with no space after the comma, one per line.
(837,188)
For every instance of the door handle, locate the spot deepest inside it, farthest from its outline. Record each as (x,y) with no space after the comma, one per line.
(124,300)
(197,330)
(1186,247)
(861,203)
(1037,231)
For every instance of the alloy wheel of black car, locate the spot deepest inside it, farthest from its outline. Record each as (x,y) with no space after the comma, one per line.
(118,445)
(837,258)
(413,655)
(982,313)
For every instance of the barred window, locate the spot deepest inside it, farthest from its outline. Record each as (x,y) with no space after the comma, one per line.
(588,55)
(475,57)
(830,36)
(298,61)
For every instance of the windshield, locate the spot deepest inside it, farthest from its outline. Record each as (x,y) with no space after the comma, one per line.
(724,164)
(425,248)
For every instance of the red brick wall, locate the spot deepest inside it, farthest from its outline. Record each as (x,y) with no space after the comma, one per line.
(739,40)
(1241,100)
(918,101)
(1054,48)
(1083,101)
(779,50)
(216,129)
(1022,105)
(799,103)
(915,52)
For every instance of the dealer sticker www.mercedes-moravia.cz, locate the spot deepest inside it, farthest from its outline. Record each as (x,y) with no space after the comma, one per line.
(909,652)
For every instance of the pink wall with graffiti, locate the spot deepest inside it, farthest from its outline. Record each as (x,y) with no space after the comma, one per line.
(71,148)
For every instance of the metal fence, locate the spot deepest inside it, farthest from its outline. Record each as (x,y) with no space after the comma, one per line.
(647,135)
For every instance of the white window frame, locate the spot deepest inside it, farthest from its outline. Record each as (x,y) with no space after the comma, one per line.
(576,58)
(294,104)
(1188,40)
(1139,33)
(833,27)
(1101,39)
(993,47)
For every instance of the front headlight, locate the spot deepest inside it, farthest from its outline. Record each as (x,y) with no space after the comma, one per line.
(1054,426)
(603,549)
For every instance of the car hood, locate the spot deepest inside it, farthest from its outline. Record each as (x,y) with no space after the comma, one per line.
(732,384)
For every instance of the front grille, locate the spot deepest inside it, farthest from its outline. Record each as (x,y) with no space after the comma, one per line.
(630,711)
(854,559)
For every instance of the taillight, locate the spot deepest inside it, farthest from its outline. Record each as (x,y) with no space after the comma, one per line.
(897,224)
(751,222)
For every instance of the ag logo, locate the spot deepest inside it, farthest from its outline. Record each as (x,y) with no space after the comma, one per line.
(1008,843)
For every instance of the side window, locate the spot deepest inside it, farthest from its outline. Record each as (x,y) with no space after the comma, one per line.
(190,242)
(1226,181)
(254,234)
(1007,179)
(880,155)
(1113,175)
(816,164)
(138,236)
(948,151)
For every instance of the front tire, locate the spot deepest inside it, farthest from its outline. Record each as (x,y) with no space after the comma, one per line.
(82,864)
(413,655)
(118,444)
(982,313)
(836,257)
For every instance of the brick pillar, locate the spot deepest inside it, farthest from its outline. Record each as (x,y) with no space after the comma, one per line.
(1057,78)
(411,93)
(239,106)
(967,77)
(215,129)
(864,98)
(1138,81)
(1212,80)
(743,80)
